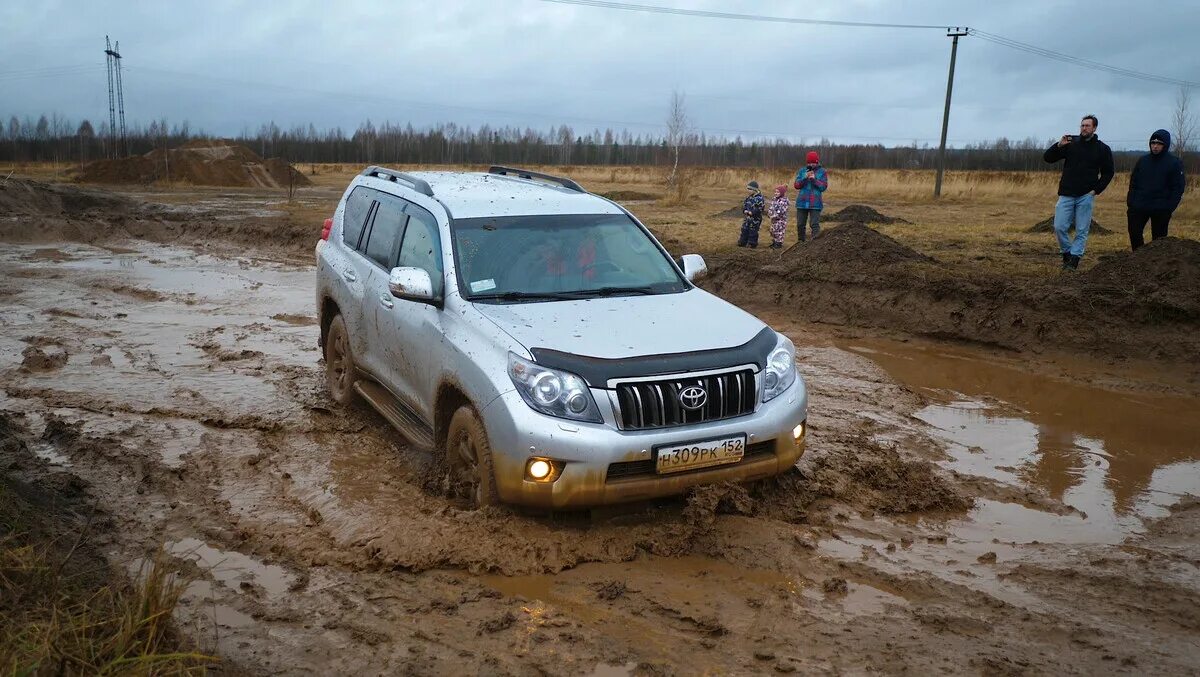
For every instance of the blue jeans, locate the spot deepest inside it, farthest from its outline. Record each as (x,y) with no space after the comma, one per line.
(1073,211)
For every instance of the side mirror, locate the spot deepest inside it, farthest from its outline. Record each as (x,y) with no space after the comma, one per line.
(411,284)
(694,267)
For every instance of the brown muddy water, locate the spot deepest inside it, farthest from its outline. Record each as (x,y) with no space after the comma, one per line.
(1117,458)
(184,392)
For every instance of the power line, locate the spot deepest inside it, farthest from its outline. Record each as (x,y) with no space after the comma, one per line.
(655,9)
(982,35)
(1077,61)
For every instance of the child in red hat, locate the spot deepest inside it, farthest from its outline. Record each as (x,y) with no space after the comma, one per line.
(778,211)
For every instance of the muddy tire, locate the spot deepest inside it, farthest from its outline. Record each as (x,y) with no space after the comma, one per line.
(339,363)
(469,459)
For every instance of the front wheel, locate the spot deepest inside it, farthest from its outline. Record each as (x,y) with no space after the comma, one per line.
(339,363)
(469,458)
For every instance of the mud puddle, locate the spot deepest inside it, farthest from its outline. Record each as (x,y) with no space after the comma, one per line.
(1116,458)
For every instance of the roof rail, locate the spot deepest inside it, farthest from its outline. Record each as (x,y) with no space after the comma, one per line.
(526,174)
(419,185)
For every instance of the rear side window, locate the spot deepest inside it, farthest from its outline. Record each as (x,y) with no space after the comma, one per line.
(385,233)
(422,247)
(355,215)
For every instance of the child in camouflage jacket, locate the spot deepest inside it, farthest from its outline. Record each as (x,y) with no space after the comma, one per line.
(752,208)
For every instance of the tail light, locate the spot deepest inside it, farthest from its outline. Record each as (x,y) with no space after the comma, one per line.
(325,230)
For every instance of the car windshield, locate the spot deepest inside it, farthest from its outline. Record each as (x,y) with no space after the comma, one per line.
(518,259)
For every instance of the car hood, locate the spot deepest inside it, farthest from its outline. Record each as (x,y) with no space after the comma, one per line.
(627,326)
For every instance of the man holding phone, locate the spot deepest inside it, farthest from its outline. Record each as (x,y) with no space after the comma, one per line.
(1086,173)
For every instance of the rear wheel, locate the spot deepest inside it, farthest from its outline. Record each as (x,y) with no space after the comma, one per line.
(469,458)
(339,362)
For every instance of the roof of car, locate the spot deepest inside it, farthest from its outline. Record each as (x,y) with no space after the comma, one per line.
(478,194)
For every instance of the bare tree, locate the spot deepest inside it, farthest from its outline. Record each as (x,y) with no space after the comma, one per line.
(1185,122)
(677,129)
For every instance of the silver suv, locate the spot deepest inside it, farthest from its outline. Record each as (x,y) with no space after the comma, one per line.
(543,340)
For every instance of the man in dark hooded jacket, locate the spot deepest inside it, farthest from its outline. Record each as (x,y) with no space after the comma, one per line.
(1155,189)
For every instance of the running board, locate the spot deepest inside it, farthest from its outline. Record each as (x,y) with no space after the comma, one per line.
(400,416)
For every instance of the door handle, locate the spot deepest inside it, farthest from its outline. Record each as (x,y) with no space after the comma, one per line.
(350,276)
(386,301)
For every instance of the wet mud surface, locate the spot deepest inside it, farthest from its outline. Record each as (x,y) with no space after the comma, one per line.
(955,512)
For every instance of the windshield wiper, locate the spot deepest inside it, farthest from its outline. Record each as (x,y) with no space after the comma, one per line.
(613,291)
(523,296)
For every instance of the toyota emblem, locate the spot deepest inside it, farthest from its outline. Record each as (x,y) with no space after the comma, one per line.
(693,397)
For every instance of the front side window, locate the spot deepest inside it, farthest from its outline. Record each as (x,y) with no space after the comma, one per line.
(422,247)
(558,257)
(385,233)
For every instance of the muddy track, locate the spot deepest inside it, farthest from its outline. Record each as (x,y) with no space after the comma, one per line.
(182,393)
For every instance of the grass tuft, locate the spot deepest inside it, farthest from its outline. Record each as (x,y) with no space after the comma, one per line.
(63,612)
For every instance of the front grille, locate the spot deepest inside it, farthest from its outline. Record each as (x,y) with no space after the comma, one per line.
(656,404)
(626,469)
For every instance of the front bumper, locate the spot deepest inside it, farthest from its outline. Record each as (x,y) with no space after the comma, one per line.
(584,452)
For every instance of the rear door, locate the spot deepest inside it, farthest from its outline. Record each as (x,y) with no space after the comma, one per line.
(347,264)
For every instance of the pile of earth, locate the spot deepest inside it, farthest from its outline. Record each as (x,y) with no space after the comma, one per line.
(628,195)
(732,212)
(1047,226)
(33,211)
(1144,303)
(862,214)
(199,163)
(1164,276)
(36,212)
(22,197)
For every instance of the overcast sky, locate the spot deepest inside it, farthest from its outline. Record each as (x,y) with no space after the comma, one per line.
(228,65)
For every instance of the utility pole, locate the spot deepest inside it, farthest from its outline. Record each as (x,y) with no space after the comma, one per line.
(955,33)
(116,98)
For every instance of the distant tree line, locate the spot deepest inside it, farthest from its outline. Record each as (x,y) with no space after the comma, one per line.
(58,139)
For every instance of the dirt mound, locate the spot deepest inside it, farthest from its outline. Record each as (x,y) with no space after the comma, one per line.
(628,195)
(32,211)
(1164,274)
(732,212)
(853,245)
(862,214)
(21,197)
(1047,226)
(199,163)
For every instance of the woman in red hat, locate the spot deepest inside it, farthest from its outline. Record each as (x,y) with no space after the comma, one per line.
(811,182)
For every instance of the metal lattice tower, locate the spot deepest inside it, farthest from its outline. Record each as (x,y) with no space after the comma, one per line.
(112,101)
(116,98)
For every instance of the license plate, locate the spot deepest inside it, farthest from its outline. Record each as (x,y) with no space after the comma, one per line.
(700,454)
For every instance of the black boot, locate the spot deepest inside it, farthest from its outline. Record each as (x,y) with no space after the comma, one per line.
(1073,263)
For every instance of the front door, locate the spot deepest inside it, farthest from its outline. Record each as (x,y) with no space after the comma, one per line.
(380,251)
(413,349)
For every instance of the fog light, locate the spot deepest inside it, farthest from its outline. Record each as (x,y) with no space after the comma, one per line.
(539,469)
(798,431)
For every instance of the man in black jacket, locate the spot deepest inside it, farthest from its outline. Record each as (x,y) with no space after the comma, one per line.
(1155,189)
(1086,173)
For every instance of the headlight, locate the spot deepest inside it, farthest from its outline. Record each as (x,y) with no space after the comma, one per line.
(553,392)
(780,373)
